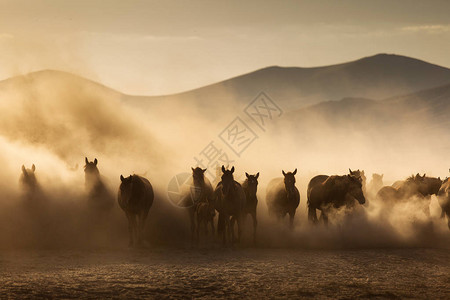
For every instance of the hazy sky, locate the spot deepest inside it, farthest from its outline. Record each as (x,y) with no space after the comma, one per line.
(158,47)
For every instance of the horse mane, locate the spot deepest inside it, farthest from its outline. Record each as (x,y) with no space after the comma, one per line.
(245,183)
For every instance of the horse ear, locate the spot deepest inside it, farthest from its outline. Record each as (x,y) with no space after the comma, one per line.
(121,178)
(204,170)
(95,161)
(257,175)
(23,169)
(192,169)
(33,167)
(246,174)
(223,168)
(232,169)
(86,160)
(282,171)
(295,171)
(350,170)
(362,172)
(382,175)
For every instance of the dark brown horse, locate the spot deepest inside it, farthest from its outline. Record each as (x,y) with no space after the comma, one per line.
(283,197)
(331,192)
(230,203)
(428,186)
(205,213)
(99,197)
(250,187)
(135,197)
(200,202)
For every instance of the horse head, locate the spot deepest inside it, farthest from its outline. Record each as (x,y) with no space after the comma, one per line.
(227,180)
(198,175)
(126,187)
(252,181)
(358,174)
(91,172)
(355,188)
(289,181)
(28,177)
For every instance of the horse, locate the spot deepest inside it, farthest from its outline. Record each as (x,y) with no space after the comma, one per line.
(361,176)
(283,197)
(414,187)
(99,198)
(444,200)
(34,197)
(28,181)
(205,215)
(428,186)
(327,192)
(375,184)
(135,197)
(250,186)
(200,196)
(229,202)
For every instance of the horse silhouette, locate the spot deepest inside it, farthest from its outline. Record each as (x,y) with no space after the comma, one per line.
(199,202)
(28,181)
(135,197)
(229,202)
(31,189)
(415,187)
(375,184)
(250,187)
(205,213)
(99,198)
(331,192)
(444,200)
(428,186)
(283,197)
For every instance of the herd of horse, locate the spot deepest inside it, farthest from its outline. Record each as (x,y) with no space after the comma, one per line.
(234,201)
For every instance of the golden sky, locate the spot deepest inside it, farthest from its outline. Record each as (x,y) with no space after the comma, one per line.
(160,47)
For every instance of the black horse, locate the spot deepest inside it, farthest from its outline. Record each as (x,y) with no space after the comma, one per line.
(250,187)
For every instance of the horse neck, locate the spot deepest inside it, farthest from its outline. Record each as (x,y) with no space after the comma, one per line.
(92,180)
(290,192)
(250,190)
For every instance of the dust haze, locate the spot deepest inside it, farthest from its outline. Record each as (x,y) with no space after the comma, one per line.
(54,120)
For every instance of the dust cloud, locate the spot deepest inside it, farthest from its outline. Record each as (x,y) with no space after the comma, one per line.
(54,120)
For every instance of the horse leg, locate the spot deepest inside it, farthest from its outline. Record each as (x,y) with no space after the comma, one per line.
(291,220)
(212,227)
(312,215)
(255,223)
(426,205)
(233,220)
(141,225)
(239,225)
(197,228)
(225,229)
(131,229)
(324,218)
(192,219)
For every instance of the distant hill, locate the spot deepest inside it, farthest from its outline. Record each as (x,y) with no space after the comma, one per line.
(374,77)
(420,118)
